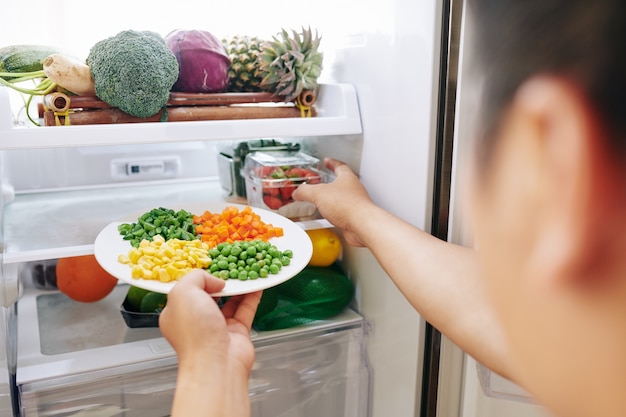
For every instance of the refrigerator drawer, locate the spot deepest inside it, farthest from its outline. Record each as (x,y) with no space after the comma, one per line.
(311,370)
(321,373)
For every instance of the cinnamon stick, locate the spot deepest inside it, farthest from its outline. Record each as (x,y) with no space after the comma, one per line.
(220,99)
(307,98)
(175,114)
(57,101)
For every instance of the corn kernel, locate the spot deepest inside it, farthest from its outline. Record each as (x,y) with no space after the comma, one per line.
(166,260)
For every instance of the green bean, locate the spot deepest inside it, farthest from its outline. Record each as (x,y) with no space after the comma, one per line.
(159,221)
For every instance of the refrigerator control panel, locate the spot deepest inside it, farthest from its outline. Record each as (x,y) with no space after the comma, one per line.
(145,168)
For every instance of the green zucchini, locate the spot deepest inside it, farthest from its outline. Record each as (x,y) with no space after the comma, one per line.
(24,58)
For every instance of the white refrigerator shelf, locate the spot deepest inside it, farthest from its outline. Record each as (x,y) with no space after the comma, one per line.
(61,234)
(337,114)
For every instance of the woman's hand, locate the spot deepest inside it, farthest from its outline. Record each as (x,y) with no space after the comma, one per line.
(341,202)
(215,353)
(193,323)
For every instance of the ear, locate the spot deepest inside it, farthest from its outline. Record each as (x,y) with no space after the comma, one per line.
(582,194)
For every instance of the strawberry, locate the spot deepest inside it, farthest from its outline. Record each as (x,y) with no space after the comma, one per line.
(286,190)
(264,171)
(270,189)
(295,172)
(278,173)
(273,203)
(311,177)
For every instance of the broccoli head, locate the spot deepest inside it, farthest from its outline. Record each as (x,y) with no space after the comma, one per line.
(133,71)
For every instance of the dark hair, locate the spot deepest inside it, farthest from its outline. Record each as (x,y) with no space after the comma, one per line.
(581,40)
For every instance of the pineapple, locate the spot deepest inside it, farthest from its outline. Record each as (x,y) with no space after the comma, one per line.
(289,65)
(244,73)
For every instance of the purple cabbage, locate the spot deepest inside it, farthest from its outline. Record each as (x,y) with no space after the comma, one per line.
(202,60)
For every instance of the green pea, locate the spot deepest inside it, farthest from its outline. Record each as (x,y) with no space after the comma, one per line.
(235,250)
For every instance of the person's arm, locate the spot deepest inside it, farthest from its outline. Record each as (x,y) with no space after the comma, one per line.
(441,280)
(215,353)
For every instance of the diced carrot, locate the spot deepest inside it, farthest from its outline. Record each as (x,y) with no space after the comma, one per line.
(232,225)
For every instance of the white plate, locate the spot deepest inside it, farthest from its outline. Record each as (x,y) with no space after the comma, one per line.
(109,245)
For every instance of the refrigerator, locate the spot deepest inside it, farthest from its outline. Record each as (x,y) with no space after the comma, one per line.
(394,103)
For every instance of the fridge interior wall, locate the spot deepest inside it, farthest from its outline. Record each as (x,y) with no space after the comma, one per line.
(389,50)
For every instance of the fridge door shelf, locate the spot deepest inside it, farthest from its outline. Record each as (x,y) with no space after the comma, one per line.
(337,114)
(64,367)
(496,386)
(45,225)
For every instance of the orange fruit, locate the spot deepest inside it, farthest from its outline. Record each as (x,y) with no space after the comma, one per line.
(326,247)
(83,279)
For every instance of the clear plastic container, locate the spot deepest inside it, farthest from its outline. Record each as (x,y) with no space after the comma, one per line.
(271,178)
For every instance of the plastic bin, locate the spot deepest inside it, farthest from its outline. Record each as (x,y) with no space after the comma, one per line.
(271,178)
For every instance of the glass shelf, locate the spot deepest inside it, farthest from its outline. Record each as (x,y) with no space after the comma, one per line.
(61,223)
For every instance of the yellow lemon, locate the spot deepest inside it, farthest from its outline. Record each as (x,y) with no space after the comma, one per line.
(326,247)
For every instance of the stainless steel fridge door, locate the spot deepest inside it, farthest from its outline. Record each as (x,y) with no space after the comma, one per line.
(466,388)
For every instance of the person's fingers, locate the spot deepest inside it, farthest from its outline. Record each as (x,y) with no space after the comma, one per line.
(198,278)
(242,308)
(305,192)
(194,278)
(213,284)
(184,289)
(336,165)
(301,193)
